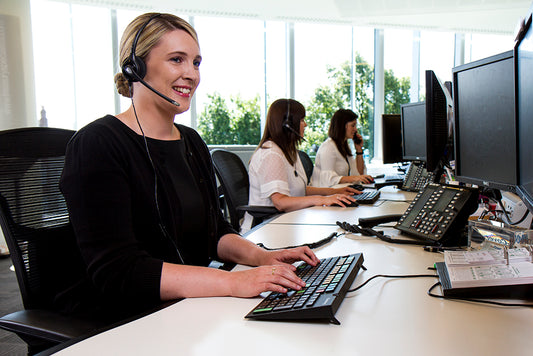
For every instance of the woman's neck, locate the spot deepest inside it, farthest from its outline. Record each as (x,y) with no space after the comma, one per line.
(150,123)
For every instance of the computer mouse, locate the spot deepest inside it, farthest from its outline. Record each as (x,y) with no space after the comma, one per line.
(357,186)
(352,204)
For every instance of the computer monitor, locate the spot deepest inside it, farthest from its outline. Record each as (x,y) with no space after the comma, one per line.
(413,119)
(439,123)
(391,138)
(485,127)
(524,101)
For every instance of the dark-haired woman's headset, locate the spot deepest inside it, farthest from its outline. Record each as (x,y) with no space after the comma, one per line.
(288,121)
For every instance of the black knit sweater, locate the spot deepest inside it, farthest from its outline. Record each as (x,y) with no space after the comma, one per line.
(109,184)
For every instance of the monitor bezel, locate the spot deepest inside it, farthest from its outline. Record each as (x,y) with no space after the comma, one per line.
(437,128)
(492,184)
(411,157)
(391,142)
(525,195)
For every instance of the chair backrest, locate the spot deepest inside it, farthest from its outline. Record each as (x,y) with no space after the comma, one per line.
(33,213)
(233,178)
(307,163)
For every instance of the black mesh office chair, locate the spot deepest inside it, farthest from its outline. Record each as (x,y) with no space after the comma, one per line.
(41,242)
(235,184)
(307,163)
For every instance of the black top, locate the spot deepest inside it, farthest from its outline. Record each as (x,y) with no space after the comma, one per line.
(109,184)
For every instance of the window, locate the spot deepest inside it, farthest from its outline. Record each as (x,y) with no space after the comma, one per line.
(275,62)
(479,46)
(73,72)
(398,64)
(436,54)
(245,63)
(317,48)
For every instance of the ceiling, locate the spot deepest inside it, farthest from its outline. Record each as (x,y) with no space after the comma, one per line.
(476,16)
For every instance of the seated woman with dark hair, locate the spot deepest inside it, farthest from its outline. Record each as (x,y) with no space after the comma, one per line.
(277,176)
(334,162)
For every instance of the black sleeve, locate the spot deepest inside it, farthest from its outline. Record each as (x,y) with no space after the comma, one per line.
(96,183)
(200,149)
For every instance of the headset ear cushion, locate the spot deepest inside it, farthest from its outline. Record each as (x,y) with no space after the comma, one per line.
(137,66)
(287,120)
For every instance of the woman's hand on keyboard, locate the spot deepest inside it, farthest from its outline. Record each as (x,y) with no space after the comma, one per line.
(276,272)
(338,200)
(277,278)
(289,256)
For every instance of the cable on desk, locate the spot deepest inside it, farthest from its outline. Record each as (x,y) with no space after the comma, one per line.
(311,245)
(367,231)
(393,276)
(475,300)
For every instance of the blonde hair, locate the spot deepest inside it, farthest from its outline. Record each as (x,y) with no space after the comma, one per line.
(156,26)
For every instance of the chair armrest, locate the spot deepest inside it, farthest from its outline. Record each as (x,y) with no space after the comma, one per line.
(259,211)
(47,325)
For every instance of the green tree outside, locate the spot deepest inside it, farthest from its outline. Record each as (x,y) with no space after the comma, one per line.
(238,122)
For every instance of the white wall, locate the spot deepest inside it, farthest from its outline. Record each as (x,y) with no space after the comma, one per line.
(17,89)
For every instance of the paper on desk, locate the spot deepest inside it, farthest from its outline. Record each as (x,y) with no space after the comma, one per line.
(491,275)
(485,257)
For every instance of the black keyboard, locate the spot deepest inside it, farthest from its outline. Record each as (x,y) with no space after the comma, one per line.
(367,197)
(326,286)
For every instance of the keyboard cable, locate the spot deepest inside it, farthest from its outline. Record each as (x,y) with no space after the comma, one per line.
(311,245)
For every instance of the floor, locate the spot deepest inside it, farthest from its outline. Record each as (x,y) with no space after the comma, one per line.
(10,301)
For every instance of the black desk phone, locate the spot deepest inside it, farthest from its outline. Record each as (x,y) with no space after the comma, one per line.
(439,213)
(417,177)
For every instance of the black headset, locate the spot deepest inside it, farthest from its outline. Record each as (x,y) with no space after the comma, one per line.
(288,121)
(134,68)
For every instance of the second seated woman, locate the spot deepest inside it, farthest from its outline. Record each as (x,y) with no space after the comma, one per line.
(277,176)
(335,163)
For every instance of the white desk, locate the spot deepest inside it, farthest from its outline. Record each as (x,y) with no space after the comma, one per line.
(391,201)
(385,317)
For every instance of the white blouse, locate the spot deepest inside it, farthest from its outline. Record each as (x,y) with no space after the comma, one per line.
(270,172)
(331,166)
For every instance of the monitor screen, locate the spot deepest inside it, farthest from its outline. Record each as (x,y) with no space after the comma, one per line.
(439,123)
(413,117)
(485,128)
(391,125)
(524,91)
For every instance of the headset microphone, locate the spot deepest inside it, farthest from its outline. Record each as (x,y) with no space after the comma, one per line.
(288,127)
(127,69)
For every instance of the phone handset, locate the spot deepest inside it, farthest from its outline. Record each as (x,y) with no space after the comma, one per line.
(417,177)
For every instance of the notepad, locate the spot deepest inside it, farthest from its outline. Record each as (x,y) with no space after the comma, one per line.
(486,273)
(485,257)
